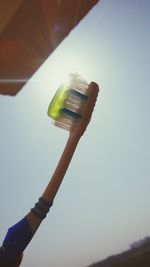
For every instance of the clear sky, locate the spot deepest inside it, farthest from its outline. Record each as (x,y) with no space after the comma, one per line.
(103,204)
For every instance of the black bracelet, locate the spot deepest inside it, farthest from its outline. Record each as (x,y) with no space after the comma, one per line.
(41,208)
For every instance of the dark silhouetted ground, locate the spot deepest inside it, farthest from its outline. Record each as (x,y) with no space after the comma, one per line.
(137,256)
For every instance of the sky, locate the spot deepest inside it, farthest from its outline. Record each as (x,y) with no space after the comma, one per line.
(103,204)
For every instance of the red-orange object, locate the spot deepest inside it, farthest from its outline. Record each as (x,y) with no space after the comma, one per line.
(29,32)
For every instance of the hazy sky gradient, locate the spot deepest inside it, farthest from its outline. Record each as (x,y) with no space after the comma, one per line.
(103,203)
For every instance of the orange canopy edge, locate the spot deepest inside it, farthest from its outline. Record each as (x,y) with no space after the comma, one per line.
(29,33)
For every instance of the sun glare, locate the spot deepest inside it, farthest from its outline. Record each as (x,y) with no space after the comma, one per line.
(57,68)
